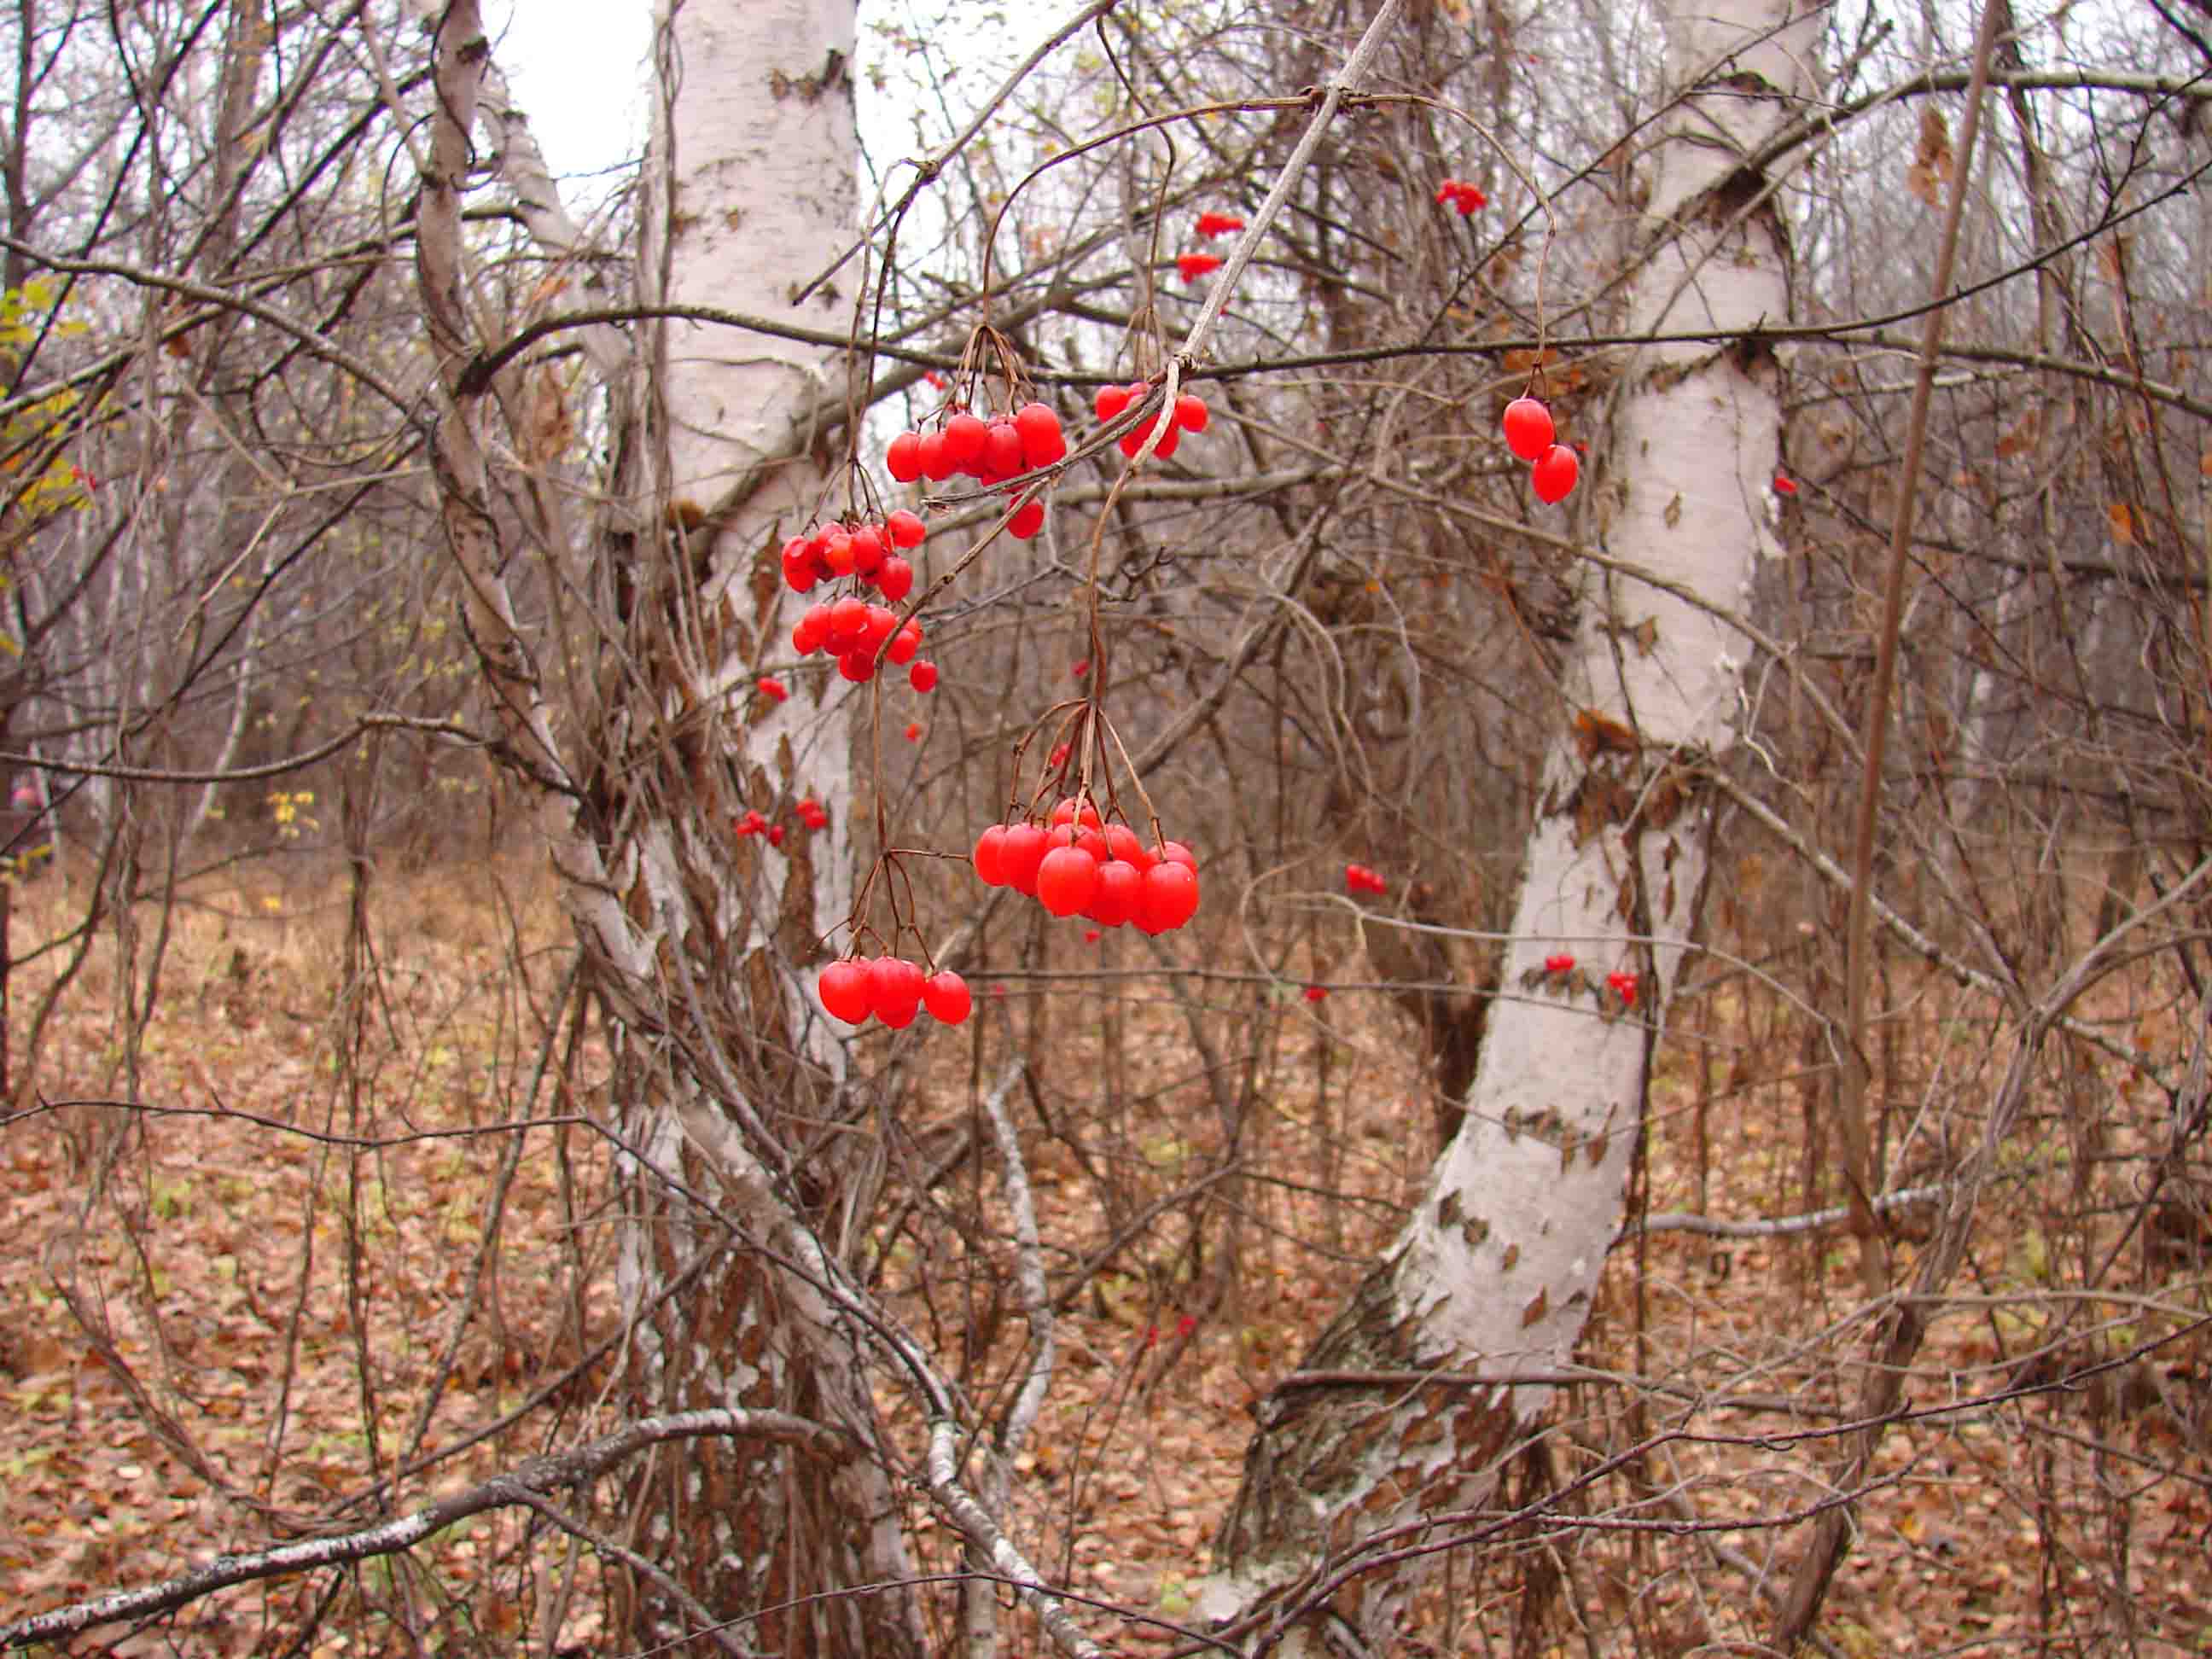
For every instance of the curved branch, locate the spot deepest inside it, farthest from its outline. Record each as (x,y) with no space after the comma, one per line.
(531,1479)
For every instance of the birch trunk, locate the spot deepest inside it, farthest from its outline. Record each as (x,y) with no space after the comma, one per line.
(699,943)
(1496,1271)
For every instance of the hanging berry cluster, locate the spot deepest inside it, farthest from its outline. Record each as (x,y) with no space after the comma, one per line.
(892,989)
(1358,878)
(1073,864)
(853,631)
(1191,414)
(1459,193)
(989,452)
(1530,434)
(868,553)
(807,812)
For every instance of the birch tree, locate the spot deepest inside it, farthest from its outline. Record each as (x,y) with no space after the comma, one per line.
(1395,1428)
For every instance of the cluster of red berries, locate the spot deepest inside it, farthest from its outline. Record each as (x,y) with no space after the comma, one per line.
(853,631)
(1192,266)
(1358,878)
(1218,224)
(1459,193)
(1191,414)
(809,813)
(893,990)
(989,452)
(1530,434)
(1074,864)
(869,553)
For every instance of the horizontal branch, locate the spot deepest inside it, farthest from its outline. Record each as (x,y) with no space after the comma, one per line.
(535,1477)
(1777,1226)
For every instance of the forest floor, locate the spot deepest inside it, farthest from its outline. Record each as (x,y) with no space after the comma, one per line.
(230,1317)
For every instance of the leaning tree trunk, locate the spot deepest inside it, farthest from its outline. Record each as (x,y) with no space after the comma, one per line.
(726,1089)
(1495,1272)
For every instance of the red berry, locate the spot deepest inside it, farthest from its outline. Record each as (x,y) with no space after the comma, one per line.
(858,665)
(1027,520)
(1110,401)
(946,996)
(1170,897)
(1002,451)
(1115,900)
(772,689)
(1191,412)
(1081,814)
(1553,477)
(936,463)
(1042,441)
(903,460)
(844,988)
(985,857)
(1624,986)
(1081,670)
(914,731)
(923,675)
(893,990)
(904,644)
(1219,224)
(1020,850)
(811,631)
(1784,484)
(1122,842)
(1192,266)
(848,620)
(1174,851)
(838,553)
(906,529)
(1528,428)
(882,622)
(868,550)
(1066,878)
(1315,993)
(1560,964)
(895,579)
(964,436)
(798,572)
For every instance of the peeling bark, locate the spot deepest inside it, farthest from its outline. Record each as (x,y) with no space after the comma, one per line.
(1498,1267)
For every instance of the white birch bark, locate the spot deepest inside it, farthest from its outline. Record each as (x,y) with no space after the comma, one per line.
(1497,1268)
(699,942)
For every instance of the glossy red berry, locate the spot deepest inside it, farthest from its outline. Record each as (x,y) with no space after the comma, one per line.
(1114,901)
(811,631)
(844,988)
(1553,477)
(1191,413)
(772,689)
(1026,521)
(946,995)
(1110,401)
(1066,878)
(1561,963)
(1081,814)
(903,460)
(904,644)
(1042,441)
(936,462)
(858,665)
(906,529)
(1168,899)
(893,990)
(799,570)
(868,550)
(1020,850)
(1528,428)
(964,436)
(923,675)
(1192,266)
(895,579)
(987,856)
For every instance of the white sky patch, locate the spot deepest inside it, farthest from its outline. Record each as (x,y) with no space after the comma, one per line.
(580,72)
